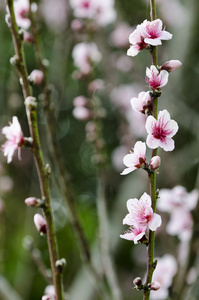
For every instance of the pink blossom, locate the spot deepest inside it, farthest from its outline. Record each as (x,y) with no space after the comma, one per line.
(49,293)
(171,65)
(32,201)
(134,233)
(141,213)
(180,224)
(21,9)
(153,33)
(120,36)
(137,42)
(155,162)
(147,33)
(55,14)
(161,131)
(40,223)
(81,113)
(176,199)
(154,286)
(136,159)
(15,139)
(102,12)
(155,78)
(80,101)
(163,274)
(143,103)
(85,55)
(36,77)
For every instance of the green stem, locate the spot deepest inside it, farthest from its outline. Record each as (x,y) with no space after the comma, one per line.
(19,62)
(152,178)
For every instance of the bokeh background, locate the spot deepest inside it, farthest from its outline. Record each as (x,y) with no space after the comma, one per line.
(122,78)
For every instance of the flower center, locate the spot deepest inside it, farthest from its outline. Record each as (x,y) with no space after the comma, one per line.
(159,130)
(85,4)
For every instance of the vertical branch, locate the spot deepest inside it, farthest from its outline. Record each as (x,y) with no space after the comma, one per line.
(152,177)
(43,174)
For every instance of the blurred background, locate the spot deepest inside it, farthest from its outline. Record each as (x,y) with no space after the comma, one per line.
(112,79)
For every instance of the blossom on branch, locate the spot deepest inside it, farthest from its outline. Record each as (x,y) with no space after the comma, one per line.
(135,233)
(141,213)
(40,224)
(156,79)
(171,65)
(136,159)
(15,139)
(147,34)
(21,10)
(143,103)
(153,32)
(161,131)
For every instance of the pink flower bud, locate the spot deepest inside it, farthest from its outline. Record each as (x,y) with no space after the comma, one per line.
(77,25)
(28,37)
(36,77)
(155,162)
(40,224)
(79,101)
(81,113)
(137,281)
(154,286)
(32,201)
(171,65)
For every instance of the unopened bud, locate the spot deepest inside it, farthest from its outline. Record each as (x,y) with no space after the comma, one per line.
(31,102)
(33,202)
(81,113)
(138,283)
(154,286)
(171,65)
(155,162)
(36,77)
(40,224)
(60,264)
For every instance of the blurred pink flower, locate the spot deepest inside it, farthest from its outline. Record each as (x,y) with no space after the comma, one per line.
(55,14)
(15,139)
(102,12)
(40,223)
(49,293)
(163,274)
(85,55)
(143,103)
(136,159)
(180,224)
(161,131)
(120,36)
(81,113)
(171,200)
(156,79)
(134,233)
(21,9)
(141,213)
(153,32)
(36,77)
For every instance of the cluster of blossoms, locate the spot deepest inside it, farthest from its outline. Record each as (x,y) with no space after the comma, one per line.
(160,132)
(139,218)
(102,12)
(179,204)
